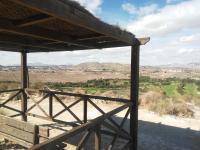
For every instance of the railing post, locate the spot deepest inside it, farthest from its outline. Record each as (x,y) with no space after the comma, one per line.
(134,96)
(51,105)
(97,137)
(85,109)
(36,135)
(24,84)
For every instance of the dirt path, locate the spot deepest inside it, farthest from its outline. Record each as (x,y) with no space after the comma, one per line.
(155,132)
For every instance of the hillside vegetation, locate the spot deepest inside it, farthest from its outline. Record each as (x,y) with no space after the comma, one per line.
(163,96)
(168,96)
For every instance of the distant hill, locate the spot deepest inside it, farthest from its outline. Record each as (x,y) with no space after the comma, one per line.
(189,66)
(95,66)
(111,67)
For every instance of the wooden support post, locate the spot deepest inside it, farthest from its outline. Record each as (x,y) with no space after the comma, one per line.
(134,96)
(24,84)
(97,137)
(51,105)
(85,109)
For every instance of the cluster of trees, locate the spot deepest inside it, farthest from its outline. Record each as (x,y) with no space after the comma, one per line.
(145,81)
(100,83)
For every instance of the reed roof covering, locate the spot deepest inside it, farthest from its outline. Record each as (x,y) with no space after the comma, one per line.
(56,25)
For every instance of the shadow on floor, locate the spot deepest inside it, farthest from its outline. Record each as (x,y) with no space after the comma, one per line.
(154,136)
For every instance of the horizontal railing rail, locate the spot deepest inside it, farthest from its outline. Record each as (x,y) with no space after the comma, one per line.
(88,96)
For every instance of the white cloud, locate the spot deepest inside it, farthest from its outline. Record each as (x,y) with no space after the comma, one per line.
(174,31)
(140,11)
(170,19)
(190,38)
(188,50)
(9,58)
(131,9)
(148,9)
(93,6)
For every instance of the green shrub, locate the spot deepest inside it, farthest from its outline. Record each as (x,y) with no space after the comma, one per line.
(91,91)
(171,90)
(190,89)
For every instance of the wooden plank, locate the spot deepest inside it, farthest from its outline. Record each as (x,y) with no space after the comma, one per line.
(39,18)
(17,123)
(44,131)
(17,140)
(18,133)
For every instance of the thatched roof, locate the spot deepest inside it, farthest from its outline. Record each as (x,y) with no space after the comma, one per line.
(56,25)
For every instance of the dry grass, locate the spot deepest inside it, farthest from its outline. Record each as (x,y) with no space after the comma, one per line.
(167,107)
(162,105)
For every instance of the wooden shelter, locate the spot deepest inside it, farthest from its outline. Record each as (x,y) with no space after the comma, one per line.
(29,26)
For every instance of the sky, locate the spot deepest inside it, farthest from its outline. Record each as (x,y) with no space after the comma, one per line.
(173,25)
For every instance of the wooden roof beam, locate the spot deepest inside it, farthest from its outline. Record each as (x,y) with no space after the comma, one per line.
(30,44)
(91,38)
(75,16)
(144,40)
(42,33)
(33,20)
(18,47)
(112,44)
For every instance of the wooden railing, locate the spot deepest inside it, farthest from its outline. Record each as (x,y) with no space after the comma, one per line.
(104,124)
(95,126)
(3,104)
